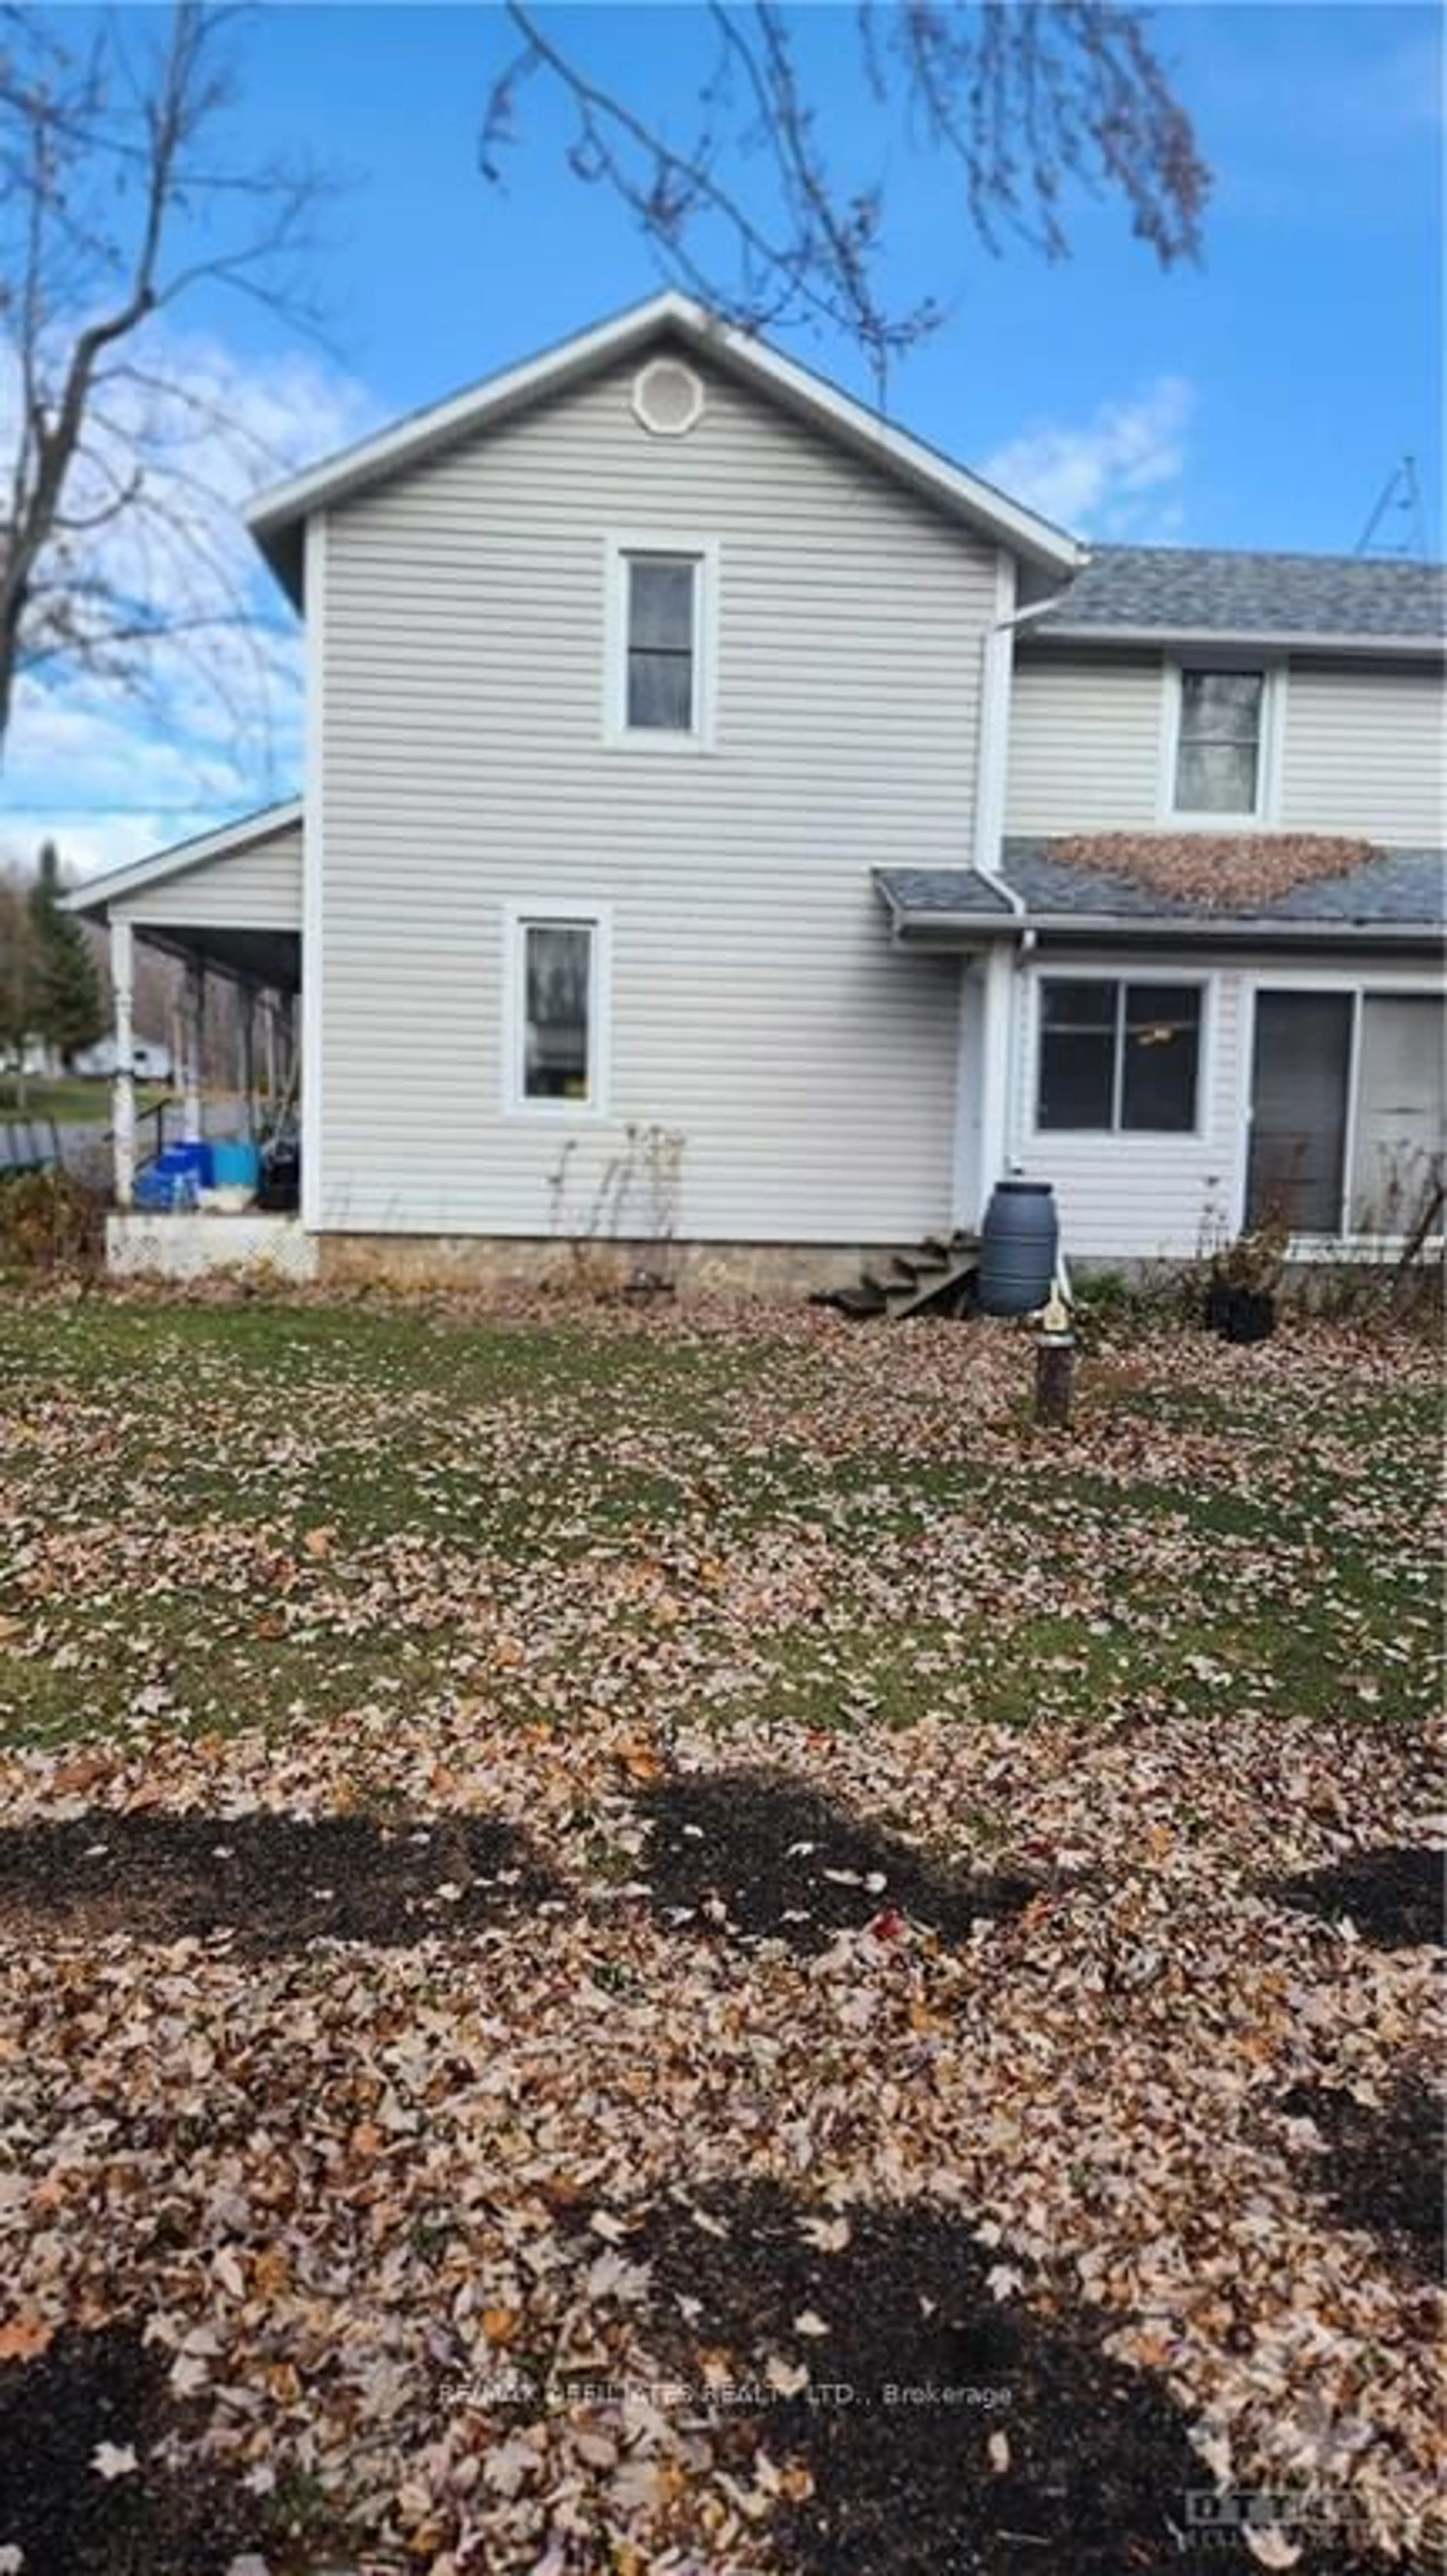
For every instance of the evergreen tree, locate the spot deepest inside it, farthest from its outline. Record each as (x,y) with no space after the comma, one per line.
(18,984)
(69,1011)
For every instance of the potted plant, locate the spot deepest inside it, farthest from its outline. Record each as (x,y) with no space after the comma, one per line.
(1242,1280)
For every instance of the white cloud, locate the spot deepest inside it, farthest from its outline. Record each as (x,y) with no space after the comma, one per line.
(110,770)
(1114,475)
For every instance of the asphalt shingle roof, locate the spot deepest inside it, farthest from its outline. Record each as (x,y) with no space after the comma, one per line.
(1400,886)
(943,890)
(1400,889)
(1205,590)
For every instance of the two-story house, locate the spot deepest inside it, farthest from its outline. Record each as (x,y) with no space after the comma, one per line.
(692,756)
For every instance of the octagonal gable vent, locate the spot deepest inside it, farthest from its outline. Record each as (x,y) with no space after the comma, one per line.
(667,397)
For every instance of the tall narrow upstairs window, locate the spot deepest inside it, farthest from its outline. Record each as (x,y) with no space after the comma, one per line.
(660,651)
(662,643)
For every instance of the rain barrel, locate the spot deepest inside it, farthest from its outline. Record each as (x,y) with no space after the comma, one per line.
(1018,1244)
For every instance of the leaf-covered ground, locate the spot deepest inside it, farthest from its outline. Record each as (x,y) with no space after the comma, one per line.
(575,1885)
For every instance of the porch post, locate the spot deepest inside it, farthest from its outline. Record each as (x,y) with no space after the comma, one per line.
(268,1038)
(248,1057)
(123,1090)
(191,1021)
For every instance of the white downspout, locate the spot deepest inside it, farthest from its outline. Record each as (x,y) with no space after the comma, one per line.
(997,668)
(1002,963)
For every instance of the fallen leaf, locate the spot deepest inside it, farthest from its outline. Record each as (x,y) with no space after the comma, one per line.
(830,2235)
(114,2460)
(26,2336)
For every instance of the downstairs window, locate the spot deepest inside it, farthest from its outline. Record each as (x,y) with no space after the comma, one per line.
(1118,1057)
(555,1000)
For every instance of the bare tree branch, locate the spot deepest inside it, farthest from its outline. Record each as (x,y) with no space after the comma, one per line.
(116,204)
(1024,98)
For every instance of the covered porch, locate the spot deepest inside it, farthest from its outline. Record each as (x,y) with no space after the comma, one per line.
(213,1183)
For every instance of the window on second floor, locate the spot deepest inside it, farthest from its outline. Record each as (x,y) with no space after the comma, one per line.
(1220,752)
(662,643)
(660,648)
(1118,1057)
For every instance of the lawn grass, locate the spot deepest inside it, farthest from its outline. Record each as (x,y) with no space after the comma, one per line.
(509,1447)
(913,1831)
(69,1101)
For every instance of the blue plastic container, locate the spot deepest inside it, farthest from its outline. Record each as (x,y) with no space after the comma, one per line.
(189,1163)
(152,1193)
(1018,1244)
(235,1165)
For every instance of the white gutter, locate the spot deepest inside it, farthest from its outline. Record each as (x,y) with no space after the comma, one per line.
(1162,929)
(1237,640)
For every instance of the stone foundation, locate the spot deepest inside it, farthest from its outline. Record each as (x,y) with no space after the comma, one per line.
(186,1246)
(508,1261)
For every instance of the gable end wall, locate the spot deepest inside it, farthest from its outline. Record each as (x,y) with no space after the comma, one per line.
(758,1009)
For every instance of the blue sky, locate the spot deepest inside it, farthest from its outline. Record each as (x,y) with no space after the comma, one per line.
(1262,400)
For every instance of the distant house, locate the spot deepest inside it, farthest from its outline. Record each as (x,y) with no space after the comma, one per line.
(150,1060)
(689,750)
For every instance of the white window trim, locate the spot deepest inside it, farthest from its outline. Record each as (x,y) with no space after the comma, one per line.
(1267,808)
(1062,970)
(518,913)
(618,734)
(1359,989)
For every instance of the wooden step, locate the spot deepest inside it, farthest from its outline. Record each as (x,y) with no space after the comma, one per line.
(863,1302)
(912,1281)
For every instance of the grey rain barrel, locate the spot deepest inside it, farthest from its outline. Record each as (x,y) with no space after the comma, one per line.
(1018,1244)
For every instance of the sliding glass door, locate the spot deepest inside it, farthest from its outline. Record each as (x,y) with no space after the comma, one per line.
(1347,1111)
(1299,1083)
(1401,1111)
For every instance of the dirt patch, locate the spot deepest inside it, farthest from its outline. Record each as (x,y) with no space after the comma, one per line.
(1393,1896)
(944,2427)
(276,1881)
(1385,2168)
(751,1851)
(56,2505)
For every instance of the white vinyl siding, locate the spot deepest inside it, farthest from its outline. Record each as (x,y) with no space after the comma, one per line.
(1353,748)
(256,887)
(1364,749)
(1085,744)
(758,1009)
